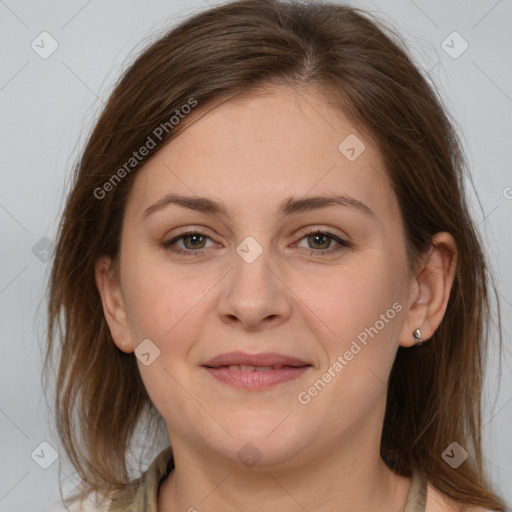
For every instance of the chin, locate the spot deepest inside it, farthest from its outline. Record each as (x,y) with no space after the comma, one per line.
(265,440)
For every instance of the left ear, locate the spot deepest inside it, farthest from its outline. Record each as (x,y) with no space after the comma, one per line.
(430,289)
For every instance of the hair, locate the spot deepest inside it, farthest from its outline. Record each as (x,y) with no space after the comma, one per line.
(362,66)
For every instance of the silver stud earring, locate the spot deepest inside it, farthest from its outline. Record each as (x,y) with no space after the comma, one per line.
(418,337)
(122,343)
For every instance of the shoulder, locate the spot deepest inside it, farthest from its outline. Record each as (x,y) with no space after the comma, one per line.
(439,502)
(136,493)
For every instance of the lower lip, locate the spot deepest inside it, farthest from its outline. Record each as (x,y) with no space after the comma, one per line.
(254,379)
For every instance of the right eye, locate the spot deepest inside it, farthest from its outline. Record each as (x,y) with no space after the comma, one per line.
(193,238)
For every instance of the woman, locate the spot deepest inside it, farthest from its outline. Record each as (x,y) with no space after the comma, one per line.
(268,250)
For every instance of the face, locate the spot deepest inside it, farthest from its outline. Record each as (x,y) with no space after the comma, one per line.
(326,284)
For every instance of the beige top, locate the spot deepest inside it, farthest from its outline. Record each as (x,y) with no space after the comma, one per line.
(143,497)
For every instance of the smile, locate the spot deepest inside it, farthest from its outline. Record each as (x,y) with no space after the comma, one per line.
(256,377)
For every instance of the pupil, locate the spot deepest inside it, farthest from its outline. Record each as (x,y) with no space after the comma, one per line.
(191,237)
(320,236)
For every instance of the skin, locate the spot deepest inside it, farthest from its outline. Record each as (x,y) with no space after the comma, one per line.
(251,153)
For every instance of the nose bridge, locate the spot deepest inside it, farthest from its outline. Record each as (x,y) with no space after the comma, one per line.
(251,275)
(253,291)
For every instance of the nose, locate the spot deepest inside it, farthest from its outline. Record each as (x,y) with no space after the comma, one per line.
(254,294)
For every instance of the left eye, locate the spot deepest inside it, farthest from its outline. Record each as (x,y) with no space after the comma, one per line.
(322,238)
(193,242)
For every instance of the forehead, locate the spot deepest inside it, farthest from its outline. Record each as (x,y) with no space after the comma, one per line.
(250,152)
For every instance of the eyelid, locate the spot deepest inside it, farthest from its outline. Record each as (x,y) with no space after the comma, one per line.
(323,230)
(341,241)
(189,230)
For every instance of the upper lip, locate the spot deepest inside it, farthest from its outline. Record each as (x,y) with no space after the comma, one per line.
(264,359)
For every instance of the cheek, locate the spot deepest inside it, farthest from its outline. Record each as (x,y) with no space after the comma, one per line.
(159,300)
(162,306)
(352,300)
(359,345)
(361,308)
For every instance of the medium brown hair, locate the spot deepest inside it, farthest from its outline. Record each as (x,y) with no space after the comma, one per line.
(363,67)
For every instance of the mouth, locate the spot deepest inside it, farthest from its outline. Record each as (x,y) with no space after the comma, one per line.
(250,368)
(255,371)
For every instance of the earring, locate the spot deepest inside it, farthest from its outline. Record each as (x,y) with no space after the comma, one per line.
(418,337)
(122,343)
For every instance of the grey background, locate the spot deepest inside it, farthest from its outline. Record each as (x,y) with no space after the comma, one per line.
(48,106)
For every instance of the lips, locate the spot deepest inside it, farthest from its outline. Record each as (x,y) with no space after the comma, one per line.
(247,362)
(256,371)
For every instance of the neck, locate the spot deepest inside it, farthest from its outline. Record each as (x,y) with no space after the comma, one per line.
(350,477)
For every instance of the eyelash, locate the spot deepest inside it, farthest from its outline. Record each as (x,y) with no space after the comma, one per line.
(312,252)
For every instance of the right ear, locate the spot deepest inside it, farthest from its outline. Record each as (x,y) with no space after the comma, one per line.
(113,305)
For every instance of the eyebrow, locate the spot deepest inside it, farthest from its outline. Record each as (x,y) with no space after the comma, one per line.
(287,207)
